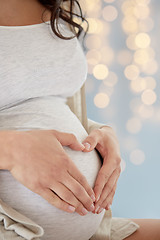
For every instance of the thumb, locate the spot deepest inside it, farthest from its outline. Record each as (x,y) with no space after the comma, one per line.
(69,139)
(90,143)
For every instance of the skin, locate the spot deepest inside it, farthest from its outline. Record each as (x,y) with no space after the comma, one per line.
(105,141)
(65,197)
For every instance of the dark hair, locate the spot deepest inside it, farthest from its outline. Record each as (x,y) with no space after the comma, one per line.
(59,11)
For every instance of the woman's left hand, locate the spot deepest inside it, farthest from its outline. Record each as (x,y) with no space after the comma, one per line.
(105,141)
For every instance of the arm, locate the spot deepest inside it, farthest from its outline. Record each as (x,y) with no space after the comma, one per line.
(104,140)
(55,178)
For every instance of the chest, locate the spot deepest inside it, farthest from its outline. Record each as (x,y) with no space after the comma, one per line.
(39,64)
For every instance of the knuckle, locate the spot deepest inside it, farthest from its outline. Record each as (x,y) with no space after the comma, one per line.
(87,201)
(104,204)
(53,199)
(90,139)
(53,132)
(118,160)
(59,203)
(78,207)
(105,175)
(99,132)
(97,185)
(119,170)
(78,191)
(68,197)
(82,180)
(109,187)
(56,175)
(113,191)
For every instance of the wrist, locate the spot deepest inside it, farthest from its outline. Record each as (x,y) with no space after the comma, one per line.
(112,139)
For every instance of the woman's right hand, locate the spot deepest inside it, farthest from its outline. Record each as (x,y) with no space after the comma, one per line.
(37,159)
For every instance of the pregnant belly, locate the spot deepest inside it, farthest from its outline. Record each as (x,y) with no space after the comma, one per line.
(57,224)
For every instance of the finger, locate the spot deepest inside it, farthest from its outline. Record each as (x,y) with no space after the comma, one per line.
(66,195)
(108,188)
(79,192)
(102,178)
(108,202)
(69,139)
(79,177)
(53,199)
(91,141)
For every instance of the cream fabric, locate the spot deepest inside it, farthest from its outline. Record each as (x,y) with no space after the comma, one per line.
(15,226)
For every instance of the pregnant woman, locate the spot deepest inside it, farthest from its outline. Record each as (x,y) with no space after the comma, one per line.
(51,171)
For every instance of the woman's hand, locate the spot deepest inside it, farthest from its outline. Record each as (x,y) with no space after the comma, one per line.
(37,160)
(105,141)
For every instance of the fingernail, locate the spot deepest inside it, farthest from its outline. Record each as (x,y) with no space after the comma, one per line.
(93,198)
(87,145)
(109,206)
(91,207)
(84,211)
(97,208)
(83,147)
(71,208)
(100,210)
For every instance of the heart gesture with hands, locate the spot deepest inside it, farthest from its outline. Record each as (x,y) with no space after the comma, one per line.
(105,141)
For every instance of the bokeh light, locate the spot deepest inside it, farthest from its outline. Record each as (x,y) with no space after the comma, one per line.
(123,64)
(142,40)
(137,157)
(148,97)
(134,125)
(130,24)
(100,71)
(109,13)
(131,72)
(141,11)
(101,100)
(109,1)
(130,42)
(138,85)
(141,56)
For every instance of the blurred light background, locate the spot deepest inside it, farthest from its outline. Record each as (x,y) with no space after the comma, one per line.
(123,91)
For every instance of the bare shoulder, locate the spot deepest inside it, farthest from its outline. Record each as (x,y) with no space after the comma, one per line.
(20,13)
